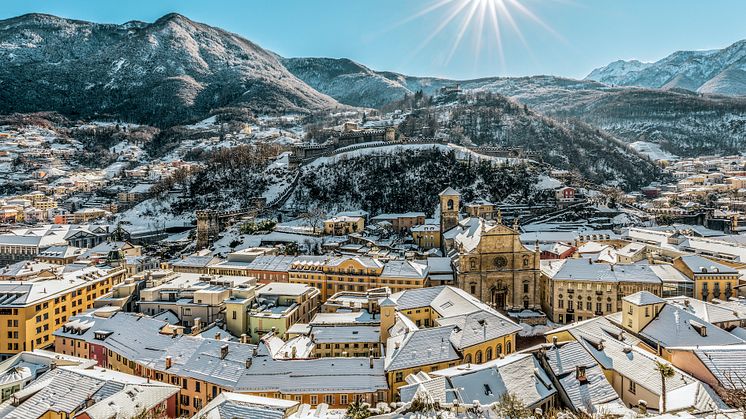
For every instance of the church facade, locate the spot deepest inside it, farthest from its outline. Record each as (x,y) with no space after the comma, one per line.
(490,261)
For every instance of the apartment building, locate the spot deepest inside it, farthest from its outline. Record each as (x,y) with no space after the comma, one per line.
(578,289)
(343,224)
(356,273)
(31,309)
(427,236)
(188,295)
(203,368)
(435,328)
(271,308)
(401,223)
(712,280)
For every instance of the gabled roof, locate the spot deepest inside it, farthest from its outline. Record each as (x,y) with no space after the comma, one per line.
(643,298)
(584,396)
(449,191)
(701,265)
(587,270)
(518,374)
(420,347)
(674,327)
(634,363)
(478,327)
(726,363)
(707,311)
(234,405)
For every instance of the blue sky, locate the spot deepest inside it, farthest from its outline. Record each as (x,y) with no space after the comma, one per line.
(584,34)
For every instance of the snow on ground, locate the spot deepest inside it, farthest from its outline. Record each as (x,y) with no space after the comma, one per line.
(282,161)
(127,149)
(389,149)
(299,225)
(546,182)
(464,153)
(206,123)
(652,150)
(114,169)
(222,246)
(111,124)
(151,215)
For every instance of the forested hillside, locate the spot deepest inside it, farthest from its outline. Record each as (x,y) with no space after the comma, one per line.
(484,118)
(410,180)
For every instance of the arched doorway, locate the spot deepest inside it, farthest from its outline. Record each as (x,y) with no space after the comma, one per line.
(498,296)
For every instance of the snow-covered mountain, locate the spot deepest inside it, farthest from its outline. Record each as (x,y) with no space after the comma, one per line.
(165,72)
(681,122)
(720,71)
(355,84)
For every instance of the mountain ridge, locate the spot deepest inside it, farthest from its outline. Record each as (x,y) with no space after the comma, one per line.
(170,71)
(691,70)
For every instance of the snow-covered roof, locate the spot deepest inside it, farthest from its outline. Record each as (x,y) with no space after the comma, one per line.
(643,298)
(701,265)
(564,361)
(586,270)
(518,374)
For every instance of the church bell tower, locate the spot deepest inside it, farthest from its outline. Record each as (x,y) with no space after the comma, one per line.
(450,201)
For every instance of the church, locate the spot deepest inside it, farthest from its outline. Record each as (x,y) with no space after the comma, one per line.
(490,261)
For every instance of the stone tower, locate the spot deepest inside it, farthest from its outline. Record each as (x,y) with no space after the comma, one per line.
(208,227)
(450,201)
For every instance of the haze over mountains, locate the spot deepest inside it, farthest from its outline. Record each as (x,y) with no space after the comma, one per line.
(719,71)
(175,71)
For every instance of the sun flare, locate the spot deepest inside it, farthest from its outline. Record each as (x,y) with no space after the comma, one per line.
(483,20)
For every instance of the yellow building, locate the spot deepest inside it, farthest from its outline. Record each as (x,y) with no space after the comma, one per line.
(712,280)
(426,236)
(347,273)
(481,209)
(440,327)
(271,307)
(32,309)
(579,289)
(342,225)
(40,201)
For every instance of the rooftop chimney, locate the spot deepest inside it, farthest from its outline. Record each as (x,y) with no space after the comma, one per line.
(248,363)
(217,336)
(580,374)
(223,351)
(168,361)
(600,345)
(370,358)
(554,341)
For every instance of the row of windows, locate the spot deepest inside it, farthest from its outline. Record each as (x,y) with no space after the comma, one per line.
(588,305)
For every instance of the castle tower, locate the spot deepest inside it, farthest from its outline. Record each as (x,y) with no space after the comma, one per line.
(450,201)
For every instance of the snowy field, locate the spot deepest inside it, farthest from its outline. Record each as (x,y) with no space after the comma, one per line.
(652,150)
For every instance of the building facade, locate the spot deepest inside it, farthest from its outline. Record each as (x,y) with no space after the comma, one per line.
(497,268)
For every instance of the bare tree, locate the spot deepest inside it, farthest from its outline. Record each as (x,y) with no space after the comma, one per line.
(314,216)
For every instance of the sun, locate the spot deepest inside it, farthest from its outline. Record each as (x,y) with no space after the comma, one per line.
(487,20)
